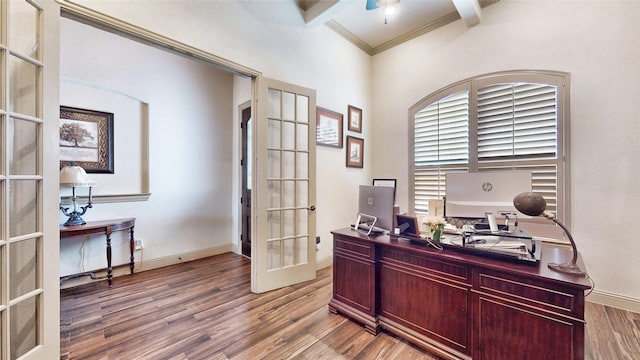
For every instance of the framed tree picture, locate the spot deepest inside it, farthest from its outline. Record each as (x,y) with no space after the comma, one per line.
(328,128)
(86,139)
(355,119)
(355,152)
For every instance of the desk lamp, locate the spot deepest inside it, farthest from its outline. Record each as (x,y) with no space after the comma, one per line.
(73,177)
(533,204)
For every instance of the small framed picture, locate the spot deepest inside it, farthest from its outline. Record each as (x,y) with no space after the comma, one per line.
(328,128)
(355,119)
(409,224)
(355,152)
(86,139)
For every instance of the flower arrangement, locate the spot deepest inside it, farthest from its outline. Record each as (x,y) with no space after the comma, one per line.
(435,225)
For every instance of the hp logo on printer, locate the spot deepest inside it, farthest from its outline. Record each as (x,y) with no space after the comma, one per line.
(486,187)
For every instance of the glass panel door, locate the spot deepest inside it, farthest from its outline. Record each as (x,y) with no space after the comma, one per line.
(22,283)
(285,179)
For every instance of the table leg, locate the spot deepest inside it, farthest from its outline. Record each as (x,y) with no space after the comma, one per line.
(109,268)
(132,246)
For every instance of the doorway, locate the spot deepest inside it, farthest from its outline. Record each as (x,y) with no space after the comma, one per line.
(280,226)
(245,163)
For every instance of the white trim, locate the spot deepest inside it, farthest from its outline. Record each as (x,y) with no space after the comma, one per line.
(72,10)
(426,28)
(615,300)
(324,262)
(104,199)
(180,258)
(153,264)
(172,260)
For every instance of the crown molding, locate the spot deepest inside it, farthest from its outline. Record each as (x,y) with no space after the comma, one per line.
(333,25)
(445,20)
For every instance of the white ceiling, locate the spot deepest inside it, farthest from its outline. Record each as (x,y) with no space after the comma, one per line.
(368,30)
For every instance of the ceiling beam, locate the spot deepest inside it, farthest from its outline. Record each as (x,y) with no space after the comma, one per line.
(323,11)
(469,11)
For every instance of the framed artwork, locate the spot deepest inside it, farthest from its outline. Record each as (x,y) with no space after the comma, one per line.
(328,128)
(355,152)
(86,139)
(355,119)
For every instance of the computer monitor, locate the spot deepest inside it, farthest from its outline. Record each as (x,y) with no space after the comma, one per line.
(473,195)
(377,201)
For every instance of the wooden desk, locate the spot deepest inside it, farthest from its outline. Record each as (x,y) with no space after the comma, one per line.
(459,305)
(106,227)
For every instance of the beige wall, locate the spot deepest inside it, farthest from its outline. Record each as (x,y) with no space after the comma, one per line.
(190,145)
(594,41)
(597,43)
(285,50)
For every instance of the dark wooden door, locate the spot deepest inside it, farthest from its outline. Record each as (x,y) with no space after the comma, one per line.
(246,181)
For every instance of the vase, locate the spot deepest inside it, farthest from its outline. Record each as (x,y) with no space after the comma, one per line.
(435,235)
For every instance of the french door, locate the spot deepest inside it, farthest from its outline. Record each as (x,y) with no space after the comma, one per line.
(29,296)
(283,238)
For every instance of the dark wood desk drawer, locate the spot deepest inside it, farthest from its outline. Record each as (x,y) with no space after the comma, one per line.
(422,262)
(354,248)
(529,291)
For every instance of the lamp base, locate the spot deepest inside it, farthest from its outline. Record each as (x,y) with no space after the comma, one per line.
(74,220)
(567,268)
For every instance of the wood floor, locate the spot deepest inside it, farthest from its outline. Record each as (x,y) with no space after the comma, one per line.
(204,310)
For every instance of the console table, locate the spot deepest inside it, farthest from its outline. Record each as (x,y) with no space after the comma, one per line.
(459,305)
(106,227)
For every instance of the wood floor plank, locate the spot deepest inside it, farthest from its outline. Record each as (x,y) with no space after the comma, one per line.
(626,333)
(283,344)
(383,347)
(288,342)
(204,310)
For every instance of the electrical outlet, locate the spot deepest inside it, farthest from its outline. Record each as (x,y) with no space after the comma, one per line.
(139,244)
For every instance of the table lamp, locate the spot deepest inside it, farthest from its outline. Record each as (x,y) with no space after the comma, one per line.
(73,177)
(533,204)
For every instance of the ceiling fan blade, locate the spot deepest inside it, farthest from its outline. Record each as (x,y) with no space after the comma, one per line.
(371,4)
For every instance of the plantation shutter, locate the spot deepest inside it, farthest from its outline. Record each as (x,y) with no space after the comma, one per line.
(511,121)
(441,137)
(517,123)
(517,120)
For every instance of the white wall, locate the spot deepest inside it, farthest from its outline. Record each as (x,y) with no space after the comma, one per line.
(190,144)
(595,41)
(598,44)
(282,49)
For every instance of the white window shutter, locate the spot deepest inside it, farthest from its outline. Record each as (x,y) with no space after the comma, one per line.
(517,125)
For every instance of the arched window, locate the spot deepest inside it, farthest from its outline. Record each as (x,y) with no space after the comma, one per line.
(515,120)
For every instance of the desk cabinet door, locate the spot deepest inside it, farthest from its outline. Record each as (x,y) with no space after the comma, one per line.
(354,275)
(432,306)
(506,331)
(518,318)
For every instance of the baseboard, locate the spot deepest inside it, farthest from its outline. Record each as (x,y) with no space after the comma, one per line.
(179,258)
(615,300)
(323,263)
(597,296)
(145,265)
